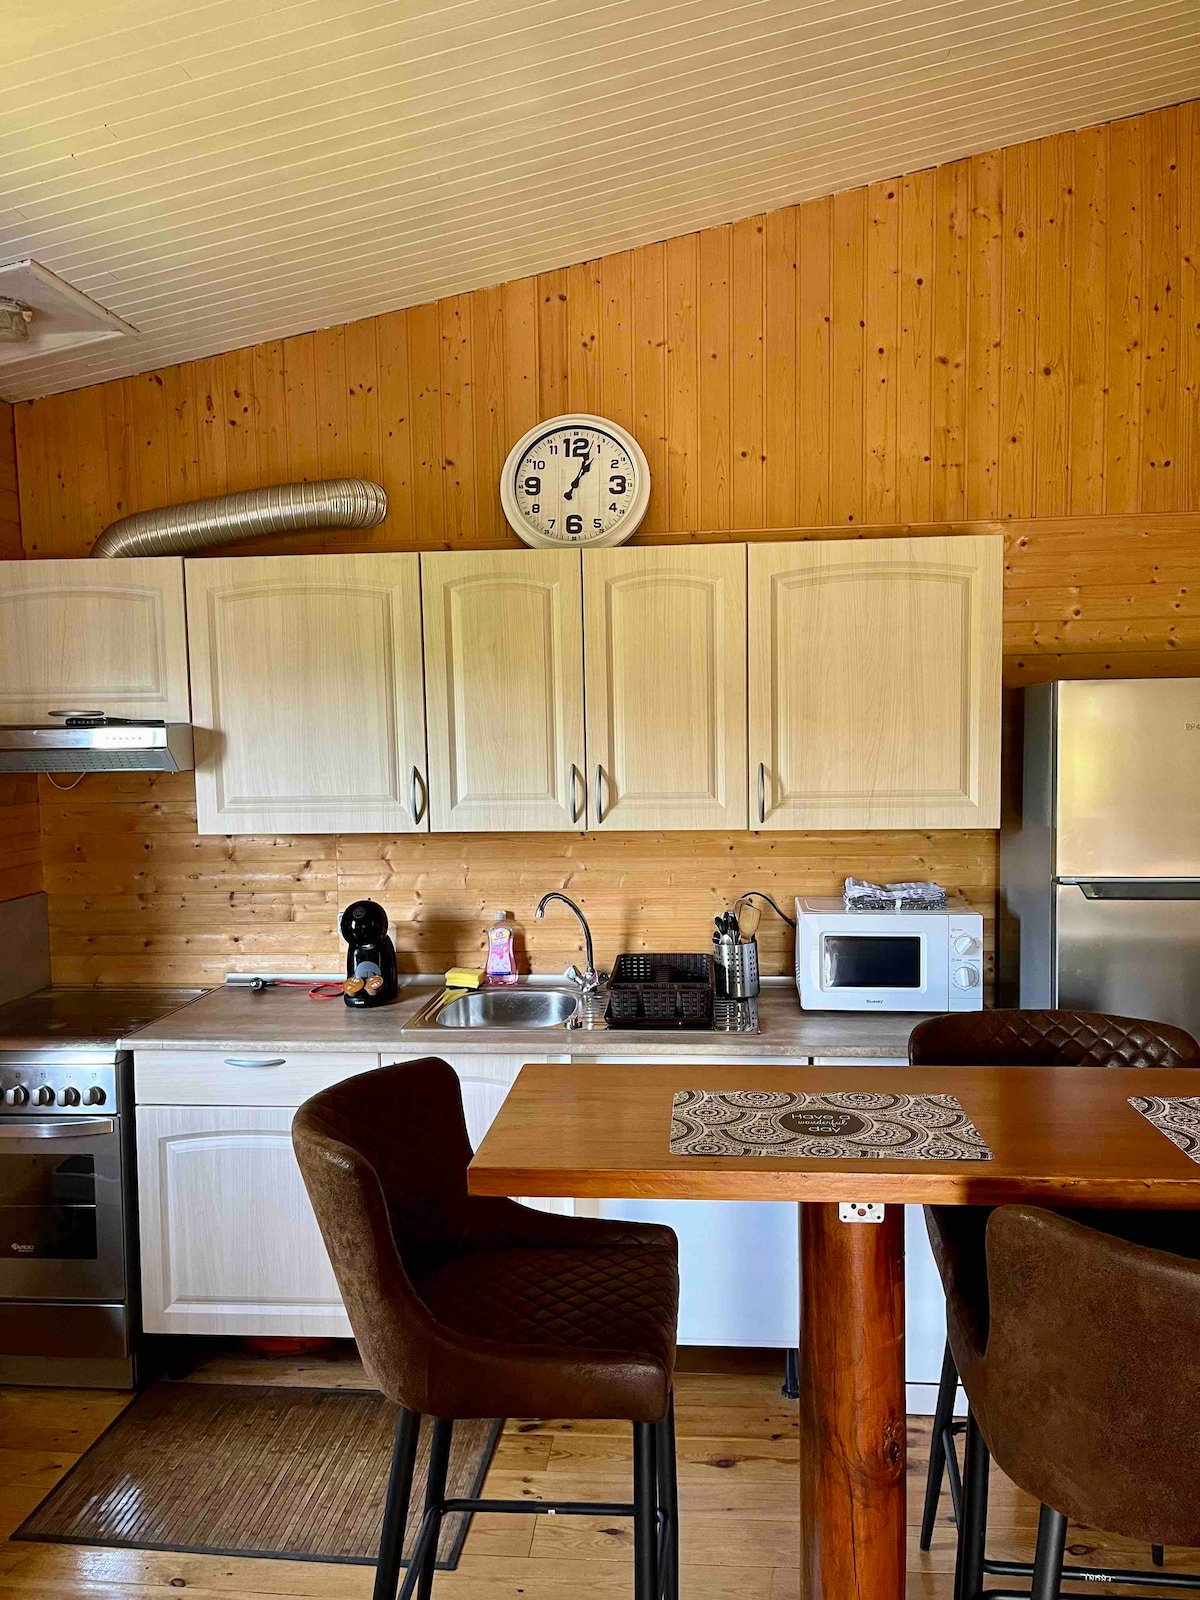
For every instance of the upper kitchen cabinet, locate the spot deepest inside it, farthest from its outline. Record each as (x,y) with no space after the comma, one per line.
(504,690)
(665,652)
(307,695)
(93,636)
(875,683)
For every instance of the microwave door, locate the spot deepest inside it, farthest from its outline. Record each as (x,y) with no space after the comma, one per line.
(1131,948)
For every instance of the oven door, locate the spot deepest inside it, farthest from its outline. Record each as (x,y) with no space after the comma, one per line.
(868,963)
(62,1231)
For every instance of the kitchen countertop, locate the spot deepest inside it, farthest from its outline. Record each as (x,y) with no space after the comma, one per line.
(235,1018)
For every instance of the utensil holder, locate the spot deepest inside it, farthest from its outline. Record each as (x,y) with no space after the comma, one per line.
(736,970)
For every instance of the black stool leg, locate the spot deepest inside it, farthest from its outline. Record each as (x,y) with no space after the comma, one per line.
(1048,1562)
(435,1493)
(943,1416)
(1157,1554)
(791,1375)
(668,1501)
(645,1513)
(972,1530)
(395,1511)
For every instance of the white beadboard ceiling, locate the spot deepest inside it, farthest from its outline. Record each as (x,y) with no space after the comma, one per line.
(219,172)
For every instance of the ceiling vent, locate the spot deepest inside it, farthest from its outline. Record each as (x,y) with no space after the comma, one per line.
(42,314)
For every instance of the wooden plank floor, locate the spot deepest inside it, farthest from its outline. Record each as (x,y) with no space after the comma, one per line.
(738,1486)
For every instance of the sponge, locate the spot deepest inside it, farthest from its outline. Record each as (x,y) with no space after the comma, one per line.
(463,978)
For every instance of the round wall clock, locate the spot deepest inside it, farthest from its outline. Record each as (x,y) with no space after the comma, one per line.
(575,480)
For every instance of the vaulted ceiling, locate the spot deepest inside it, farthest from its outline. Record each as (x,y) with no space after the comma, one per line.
(219,172)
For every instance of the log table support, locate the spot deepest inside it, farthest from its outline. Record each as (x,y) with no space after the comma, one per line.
(852,1403)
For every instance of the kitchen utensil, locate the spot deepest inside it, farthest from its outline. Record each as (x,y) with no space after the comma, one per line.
(736,968)
(748,918)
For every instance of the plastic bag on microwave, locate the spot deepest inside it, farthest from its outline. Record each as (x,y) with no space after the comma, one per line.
(858,895)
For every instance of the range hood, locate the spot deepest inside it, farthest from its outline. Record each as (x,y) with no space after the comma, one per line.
(94,743)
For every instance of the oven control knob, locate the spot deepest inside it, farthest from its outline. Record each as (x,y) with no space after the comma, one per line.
(16,1096)
(43,1096)
(966,977)
(68,1096)
(93,1096)
(964,945)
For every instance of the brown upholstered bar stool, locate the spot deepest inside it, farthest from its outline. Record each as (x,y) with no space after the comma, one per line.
(470,1307)
(1085,1392)
(1026,1038)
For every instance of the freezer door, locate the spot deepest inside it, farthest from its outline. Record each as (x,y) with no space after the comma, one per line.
(1121,948)
(1128,779)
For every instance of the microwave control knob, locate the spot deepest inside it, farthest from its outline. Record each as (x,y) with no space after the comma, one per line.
(965,977)
(68,1096)
(964,945)
(93,1096)
(43,1096)
(18,1095)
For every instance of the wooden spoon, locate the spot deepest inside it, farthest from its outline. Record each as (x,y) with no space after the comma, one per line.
(748,918)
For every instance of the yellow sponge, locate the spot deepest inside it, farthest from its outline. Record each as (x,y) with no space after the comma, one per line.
(463,978)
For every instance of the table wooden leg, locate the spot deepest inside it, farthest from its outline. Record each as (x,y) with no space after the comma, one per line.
(852,1447)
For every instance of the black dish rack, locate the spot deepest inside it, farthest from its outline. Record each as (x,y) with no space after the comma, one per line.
(661,992)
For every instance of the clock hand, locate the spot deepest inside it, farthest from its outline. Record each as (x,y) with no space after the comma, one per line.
(586,467)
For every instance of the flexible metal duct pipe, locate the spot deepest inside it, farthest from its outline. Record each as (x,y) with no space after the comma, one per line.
(230,518)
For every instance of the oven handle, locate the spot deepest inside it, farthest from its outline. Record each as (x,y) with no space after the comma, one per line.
(64,1128)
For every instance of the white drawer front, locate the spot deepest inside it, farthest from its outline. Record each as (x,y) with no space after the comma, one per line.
(244,1077)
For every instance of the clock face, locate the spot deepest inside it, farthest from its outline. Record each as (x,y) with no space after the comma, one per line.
(576,480)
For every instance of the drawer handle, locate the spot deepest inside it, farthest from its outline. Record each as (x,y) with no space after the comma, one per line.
(762,791)
(256,1061)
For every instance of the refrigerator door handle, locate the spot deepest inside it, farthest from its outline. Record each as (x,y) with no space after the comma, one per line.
(1136,888)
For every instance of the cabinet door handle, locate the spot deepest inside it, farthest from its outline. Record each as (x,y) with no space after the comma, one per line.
(417,795)
(575,778)
(762,791)
(597,805)
(255,1061)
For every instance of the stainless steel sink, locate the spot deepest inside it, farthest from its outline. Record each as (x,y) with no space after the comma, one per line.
(506,1008)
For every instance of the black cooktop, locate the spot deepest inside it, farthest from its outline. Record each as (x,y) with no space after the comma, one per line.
(82,1019)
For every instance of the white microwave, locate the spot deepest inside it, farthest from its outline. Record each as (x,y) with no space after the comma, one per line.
(888,960)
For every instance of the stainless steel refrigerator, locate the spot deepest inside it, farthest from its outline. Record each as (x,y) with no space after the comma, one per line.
(1100,871)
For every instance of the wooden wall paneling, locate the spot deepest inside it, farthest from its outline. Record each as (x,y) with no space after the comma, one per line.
(583,337)
(781,417)
(1020,331)
(1122,427)
(1189,303)
(683,382)
(522,357)
(396,421)
(241,417)
(814,364)
(985,250)
(617,393)
(1087,355)
(30,423)
(650,378)
(332,401)
(913,379)
(747,309)
(491,442)
(10,500)
(20,836)
(183,451)
(554,333)
(848,257)
(950,341)
(1160,299)
(1055,230)
(881,497)
(364,456)
(300,408)
(425,381)
(458,401)
(270,412)
(715,319)
(211,428)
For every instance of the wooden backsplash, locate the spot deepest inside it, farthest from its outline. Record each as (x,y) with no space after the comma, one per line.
(1009,342)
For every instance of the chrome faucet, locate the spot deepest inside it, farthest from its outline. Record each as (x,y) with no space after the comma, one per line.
(589,980)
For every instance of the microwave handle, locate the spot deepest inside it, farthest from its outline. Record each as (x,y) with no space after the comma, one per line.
(62,1128)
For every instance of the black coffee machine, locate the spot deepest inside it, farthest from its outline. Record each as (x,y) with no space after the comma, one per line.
(371,956)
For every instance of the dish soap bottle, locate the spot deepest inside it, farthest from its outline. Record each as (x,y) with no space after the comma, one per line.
(501,959)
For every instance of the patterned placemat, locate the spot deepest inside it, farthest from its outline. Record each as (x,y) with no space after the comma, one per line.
(823,1127)
(1176,1115)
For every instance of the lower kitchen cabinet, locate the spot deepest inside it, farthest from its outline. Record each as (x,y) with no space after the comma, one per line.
(229,1242)
(485,1081)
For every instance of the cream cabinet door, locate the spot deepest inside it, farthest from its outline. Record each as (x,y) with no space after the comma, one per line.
(307,694)
(875,683)
(93,636)
(229,1242)
(504,690)
(485,1082)
(665,667)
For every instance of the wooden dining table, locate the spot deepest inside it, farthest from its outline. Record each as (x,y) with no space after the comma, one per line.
(1057,1137)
